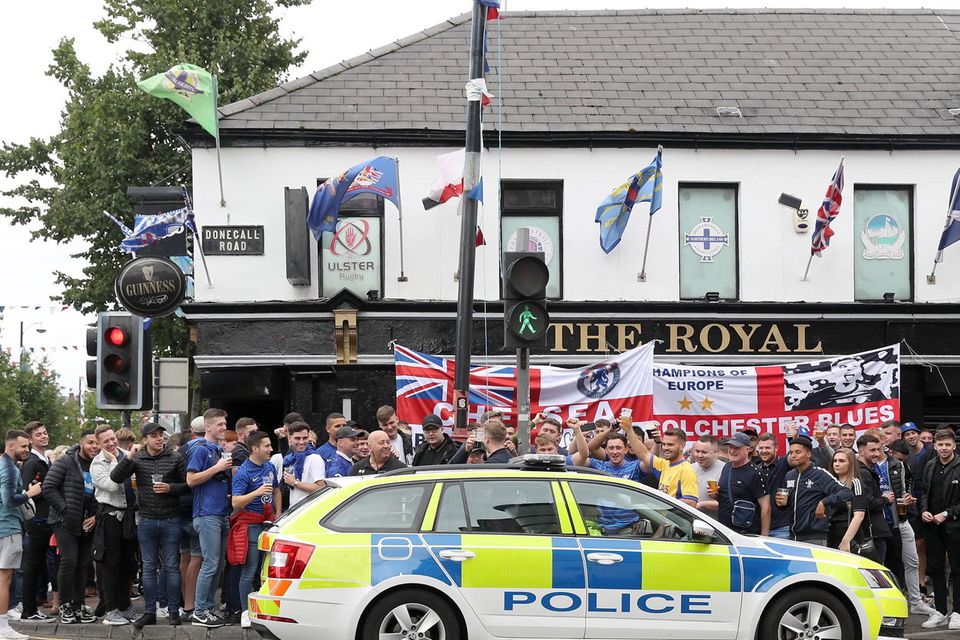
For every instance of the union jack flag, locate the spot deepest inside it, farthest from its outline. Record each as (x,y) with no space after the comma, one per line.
(424,380)
(829,210)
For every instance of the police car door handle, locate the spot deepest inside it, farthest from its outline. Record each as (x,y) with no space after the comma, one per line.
(605,558)
(457,555)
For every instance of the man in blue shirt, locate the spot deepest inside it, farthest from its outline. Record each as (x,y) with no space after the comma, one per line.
(342,460)
(328,450)
(256,493)
(615,447)
(208,474)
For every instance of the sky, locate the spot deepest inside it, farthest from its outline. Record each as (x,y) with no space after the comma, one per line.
(331,32)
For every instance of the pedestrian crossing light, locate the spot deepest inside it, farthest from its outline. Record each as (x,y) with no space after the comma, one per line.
(122,370)
(525,317)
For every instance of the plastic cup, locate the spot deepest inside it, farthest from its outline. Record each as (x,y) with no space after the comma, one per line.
(713,486)
(157,478)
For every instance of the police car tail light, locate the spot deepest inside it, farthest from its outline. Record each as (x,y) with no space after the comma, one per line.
(289,559)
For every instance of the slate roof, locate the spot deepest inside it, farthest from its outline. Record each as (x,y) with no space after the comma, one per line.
(884,73)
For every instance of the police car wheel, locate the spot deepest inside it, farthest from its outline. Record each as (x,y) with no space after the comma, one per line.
(411,615)
(807,614)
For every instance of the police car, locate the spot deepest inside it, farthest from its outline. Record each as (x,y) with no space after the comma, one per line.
(537,550)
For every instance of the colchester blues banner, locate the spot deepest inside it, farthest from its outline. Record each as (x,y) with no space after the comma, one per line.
(862,389)
(425,385)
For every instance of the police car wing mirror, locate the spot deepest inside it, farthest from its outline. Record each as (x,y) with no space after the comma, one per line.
(703,532)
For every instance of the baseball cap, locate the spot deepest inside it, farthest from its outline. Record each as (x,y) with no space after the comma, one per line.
(739,440)
(908,426)
(477,448)
(432,421)
(750,431)
(802,439)
(900,447)
(347,432)
(150,427)
(197,425)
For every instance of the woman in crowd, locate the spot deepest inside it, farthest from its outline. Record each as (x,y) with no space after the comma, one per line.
(847,524)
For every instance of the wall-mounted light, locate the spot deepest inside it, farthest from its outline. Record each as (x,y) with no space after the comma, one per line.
(788,200)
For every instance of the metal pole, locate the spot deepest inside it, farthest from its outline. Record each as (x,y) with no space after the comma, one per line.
(216,90)
(809,260)
(646,246)
(523,399)
(403,277)
(468,227)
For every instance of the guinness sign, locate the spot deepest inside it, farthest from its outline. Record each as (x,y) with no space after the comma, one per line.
(150,287)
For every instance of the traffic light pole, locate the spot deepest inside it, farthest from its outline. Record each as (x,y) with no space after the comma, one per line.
(468,227)
(523,399)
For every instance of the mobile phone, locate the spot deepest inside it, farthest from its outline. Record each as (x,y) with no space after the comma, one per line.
(587,426)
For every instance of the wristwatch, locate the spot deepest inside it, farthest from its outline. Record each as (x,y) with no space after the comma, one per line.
(944,514)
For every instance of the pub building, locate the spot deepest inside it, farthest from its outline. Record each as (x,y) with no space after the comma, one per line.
(754,110)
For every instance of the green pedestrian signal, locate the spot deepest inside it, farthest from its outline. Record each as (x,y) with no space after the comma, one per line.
(525,277)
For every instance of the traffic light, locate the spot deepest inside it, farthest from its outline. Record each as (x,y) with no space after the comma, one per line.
(525,317)
(122,372)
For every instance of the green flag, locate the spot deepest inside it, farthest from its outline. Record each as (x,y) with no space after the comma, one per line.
(191,87)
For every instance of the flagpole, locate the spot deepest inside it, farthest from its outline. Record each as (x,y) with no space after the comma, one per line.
(191,224)
(216,119)
(403,277)
(646,246)
(932,278)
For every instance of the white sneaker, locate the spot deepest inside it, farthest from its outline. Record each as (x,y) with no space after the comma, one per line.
(162,613)
(954,620)
(922,608)
(935,620)
(13,614)
(12,634)
(245,620)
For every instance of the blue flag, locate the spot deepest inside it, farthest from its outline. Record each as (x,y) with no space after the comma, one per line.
(379,176)
(614,212)
(951,232)
(150,228)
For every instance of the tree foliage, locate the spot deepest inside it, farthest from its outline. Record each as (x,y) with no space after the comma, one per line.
(29,391)
(112,135)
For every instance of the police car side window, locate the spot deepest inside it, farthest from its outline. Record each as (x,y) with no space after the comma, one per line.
(391,508)
(451,514)
(617,511)
(511,506)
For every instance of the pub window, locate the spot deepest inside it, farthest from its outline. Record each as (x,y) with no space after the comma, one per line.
(708,241)
(538,206)
(352,257)
(883,242)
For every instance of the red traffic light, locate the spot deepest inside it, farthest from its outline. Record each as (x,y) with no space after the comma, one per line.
(116,337)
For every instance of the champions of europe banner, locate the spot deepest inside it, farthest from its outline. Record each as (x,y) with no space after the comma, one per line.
(425,385)
(862,390)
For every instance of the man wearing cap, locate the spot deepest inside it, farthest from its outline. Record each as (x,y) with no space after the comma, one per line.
(161,479)
(811,492)
(437,447)
(744,505)
(340,464)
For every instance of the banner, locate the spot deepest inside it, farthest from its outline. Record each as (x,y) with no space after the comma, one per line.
(862,390)
(425,385)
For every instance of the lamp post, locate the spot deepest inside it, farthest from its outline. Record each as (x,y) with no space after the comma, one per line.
(24,327)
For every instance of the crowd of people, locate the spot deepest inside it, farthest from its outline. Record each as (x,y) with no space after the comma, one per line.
(177,517)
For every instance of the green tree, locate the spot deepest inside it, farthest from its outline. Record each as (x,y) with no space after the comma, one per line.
(112,135)
(29,391)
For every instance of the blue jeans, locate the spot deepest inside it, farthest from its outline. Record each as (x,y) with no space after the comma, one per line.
(160,547)
(252,563)
(231,587)
(213,543)
(781,532)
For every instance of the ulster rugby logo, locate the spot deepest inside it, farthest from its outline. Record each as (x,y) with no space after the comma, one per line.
(598,381)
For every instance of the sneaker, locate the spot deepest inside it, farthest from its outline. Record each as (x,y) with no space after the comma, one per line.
(39,616)
(922,608)
(207,619)
(935,620)
(174,620)
(162,612)
(129,614)
(68,615)
(954,621)
(185,613)
(13,614)
(144,620)
(12,634)
(245,620)
(115,618)
(85,615)
(232,617)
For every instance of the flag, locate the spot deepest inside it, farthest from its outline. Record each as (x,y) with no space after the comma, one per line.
(191,87)
(127,231)
(829,210)
(614,212)
(951,231)
(379,176)
(480,242)
(477,192)
(450,183)
(148,229)
(493,8)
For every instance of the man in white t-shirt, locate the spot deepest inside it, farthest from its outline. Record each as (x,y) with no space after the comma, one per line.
(707,466)
(303,467)
(400,442)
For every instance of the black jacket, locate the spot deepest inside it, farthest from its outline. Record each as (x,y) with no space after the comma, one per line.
(63,490)
(951,490)
(31,468)
(870,482)
(426,455)
(806,490)
(156,506)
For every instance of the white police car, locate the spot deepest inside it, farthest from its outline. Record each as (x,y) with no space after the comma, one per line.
(522,552)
